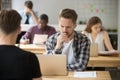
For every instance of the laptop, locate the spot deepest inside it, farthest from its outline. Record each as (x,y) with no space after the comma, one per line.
(40,38)
(93,50)
(53,65)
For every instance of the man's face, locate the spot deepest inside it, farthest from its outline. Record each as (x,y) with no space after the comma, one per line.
(66,26)
(42,23)
(27,9)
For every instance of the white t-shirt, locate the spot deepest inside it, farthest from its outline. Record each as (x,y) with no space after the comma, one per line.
(68,51)
(99,40)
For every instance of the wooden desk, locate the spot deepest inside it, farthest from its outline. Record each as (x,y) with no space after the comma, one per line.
(101,75)
(33,48)
(104,61)
(100,61)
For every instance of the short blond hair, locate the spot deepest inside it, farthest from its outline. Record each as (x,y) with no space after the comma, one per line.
(69,13)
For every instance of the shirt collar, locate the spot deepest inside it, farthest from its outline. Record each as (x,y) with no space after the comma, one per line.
(39,27)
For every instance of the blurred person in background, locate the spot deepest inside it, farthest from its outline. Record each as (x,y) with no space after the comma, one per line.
(41,28)
(28,15)
(95,32)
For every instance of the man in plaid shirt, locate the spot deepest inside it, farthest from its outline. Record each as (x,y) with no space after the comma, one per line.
(75,46)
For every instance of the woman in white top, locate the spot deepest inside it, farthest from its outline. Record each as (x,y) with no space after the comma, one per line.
(97,34)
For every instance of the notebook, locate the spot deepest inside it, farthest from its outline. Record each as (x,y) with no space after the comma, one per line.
(40,38)
(94,49)
(109,53)
(53,65)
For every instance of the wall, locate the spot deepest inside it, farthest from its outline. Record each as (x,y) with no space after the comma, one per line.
(105,9)
(119,25)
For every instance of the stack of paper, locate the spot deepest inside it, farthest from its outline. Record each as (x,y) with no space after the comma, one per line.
(85,74)
(112,52)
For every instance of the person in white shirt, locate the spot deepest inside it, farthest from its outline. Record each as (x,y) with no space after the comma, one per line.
(28,15)
(97,34)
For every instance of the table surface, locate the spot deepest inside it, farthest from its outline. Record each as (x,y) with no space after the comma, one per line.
(101,75)
(38,49)
(99,61)
(104,61)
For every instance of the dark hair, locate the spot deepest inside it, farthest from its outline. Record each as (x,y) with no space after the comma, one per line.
(9,21)
(93,21)
(69,13)
(29,4)
(44,17)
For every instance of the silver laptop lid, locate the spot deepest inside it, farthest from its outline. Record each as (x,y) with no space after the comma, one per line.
(94,49)
(53,65)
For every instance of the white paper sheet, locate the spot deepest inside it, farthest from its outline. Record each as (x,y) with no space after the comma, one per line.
(109,52)
(40,38)
(91,74)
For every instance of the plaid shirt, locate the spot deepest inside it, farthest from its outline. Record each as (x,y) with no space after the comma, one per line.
(81,50)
